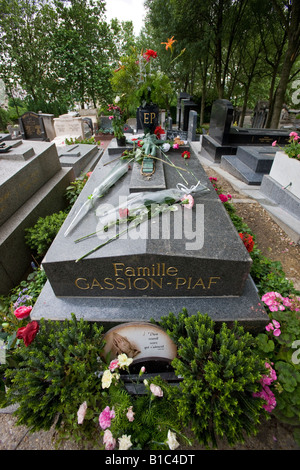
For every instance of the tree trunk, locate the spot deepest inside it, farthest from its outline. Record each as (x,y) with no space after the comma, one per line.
(290,57)
(282,86)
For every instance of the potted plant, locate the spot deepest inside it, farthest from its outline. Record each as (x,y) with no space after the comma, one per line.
(117,118)
(141,85)
(286,165)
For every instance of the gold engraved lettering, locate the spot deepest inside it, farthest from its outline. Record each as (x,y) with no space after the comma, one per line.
(108,283)
(116,268)
(120,282)
(152,117)
(129,271)
(143,271)
(199,283)
(146,285)
(180,281)
(96,283)
(211,281)
(171,271)
(158,282)
(86,284)
(146,118)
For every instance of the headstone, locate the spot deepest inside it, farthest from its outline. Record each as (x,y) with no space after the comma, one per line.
(187,106)
(91,113)
(224,139)
(32,185)
(68,126)
(169,124)
(32,126)
(260,114)
(192,127)
(48,121)
(220,121)
(193,259)
(181,96)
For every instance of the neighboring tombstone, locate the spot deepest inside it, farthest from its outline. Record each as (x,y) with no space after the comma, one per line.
(48,125)
(192,127)
(14,131)
(169,123)
(187,106)
(91,113)
(69,126)
(220,121)
(260,114)
(32,126)
(32,185)
(181,96)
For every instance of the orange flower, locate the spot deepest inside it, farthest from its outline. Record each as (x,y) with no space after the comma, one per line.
(169,44)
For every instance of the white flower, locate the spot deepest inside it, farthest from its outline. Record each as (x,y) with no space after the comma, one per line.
(171,441)
(106,379)
(124,442)
(156,390)
(166,147)
(117,99)
(124,360)
(81,412)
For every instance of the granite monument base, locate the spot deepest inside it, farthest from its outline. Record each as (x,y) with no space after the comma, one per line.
(249,164)
(246,309)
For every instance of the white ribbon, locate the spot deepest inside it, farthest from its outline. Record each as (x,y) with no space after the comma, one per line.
(186,190)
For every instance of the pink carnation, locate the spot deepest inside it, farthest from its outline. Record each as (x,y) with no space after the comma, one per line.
(105,417)
(81,412)
(108,440)
(22,312)
(156,390)
(175,146)
(130,414)
(187,201)
(274,143)
(113,365)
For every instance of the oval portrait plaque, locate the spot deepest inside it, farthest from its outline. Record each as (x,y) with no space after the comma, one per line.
(139,340)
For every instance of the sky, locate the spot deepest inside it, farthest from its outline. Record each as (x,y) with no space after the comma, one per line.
(127,10)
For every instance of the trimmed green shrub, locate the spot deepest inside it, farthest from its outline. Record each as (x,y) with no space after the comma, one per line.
(56,373)
(41,235)
(220,372)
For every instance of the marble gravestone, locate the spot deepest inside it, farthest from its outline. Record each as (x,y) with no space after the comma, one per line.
(184,258)
(224,139)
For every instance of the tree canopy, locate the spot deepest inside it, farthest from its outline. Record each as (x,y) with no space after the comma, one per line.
(59,52)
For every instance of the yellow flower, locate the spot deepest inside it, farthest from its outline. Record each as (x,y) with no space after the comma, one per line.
(124,360)
(106,379)
(169,44)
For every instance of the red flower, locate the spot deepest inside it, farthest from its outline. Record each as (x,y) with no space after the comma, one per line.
(158,131)
(186,154)
(223,197)
(150,53)
(123,213)
(22,312)
(28,332)
(248,241)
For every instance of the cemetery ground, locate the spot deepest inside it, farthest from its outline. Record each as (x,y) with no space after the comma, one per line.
(272,435)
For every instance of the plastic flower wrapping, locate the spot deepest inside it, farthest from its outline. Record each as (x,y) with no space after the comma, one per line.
(114,175)
(139,207)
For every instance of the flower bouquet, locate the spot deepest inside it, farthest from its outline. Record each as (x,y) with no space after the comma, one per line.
(139,421)
(114,175)
(140,207)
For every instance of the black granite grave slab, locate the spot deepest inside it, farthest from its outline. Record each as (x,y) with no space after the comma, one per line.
(224,139)
(207,258)
(249,164)
(186,258)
